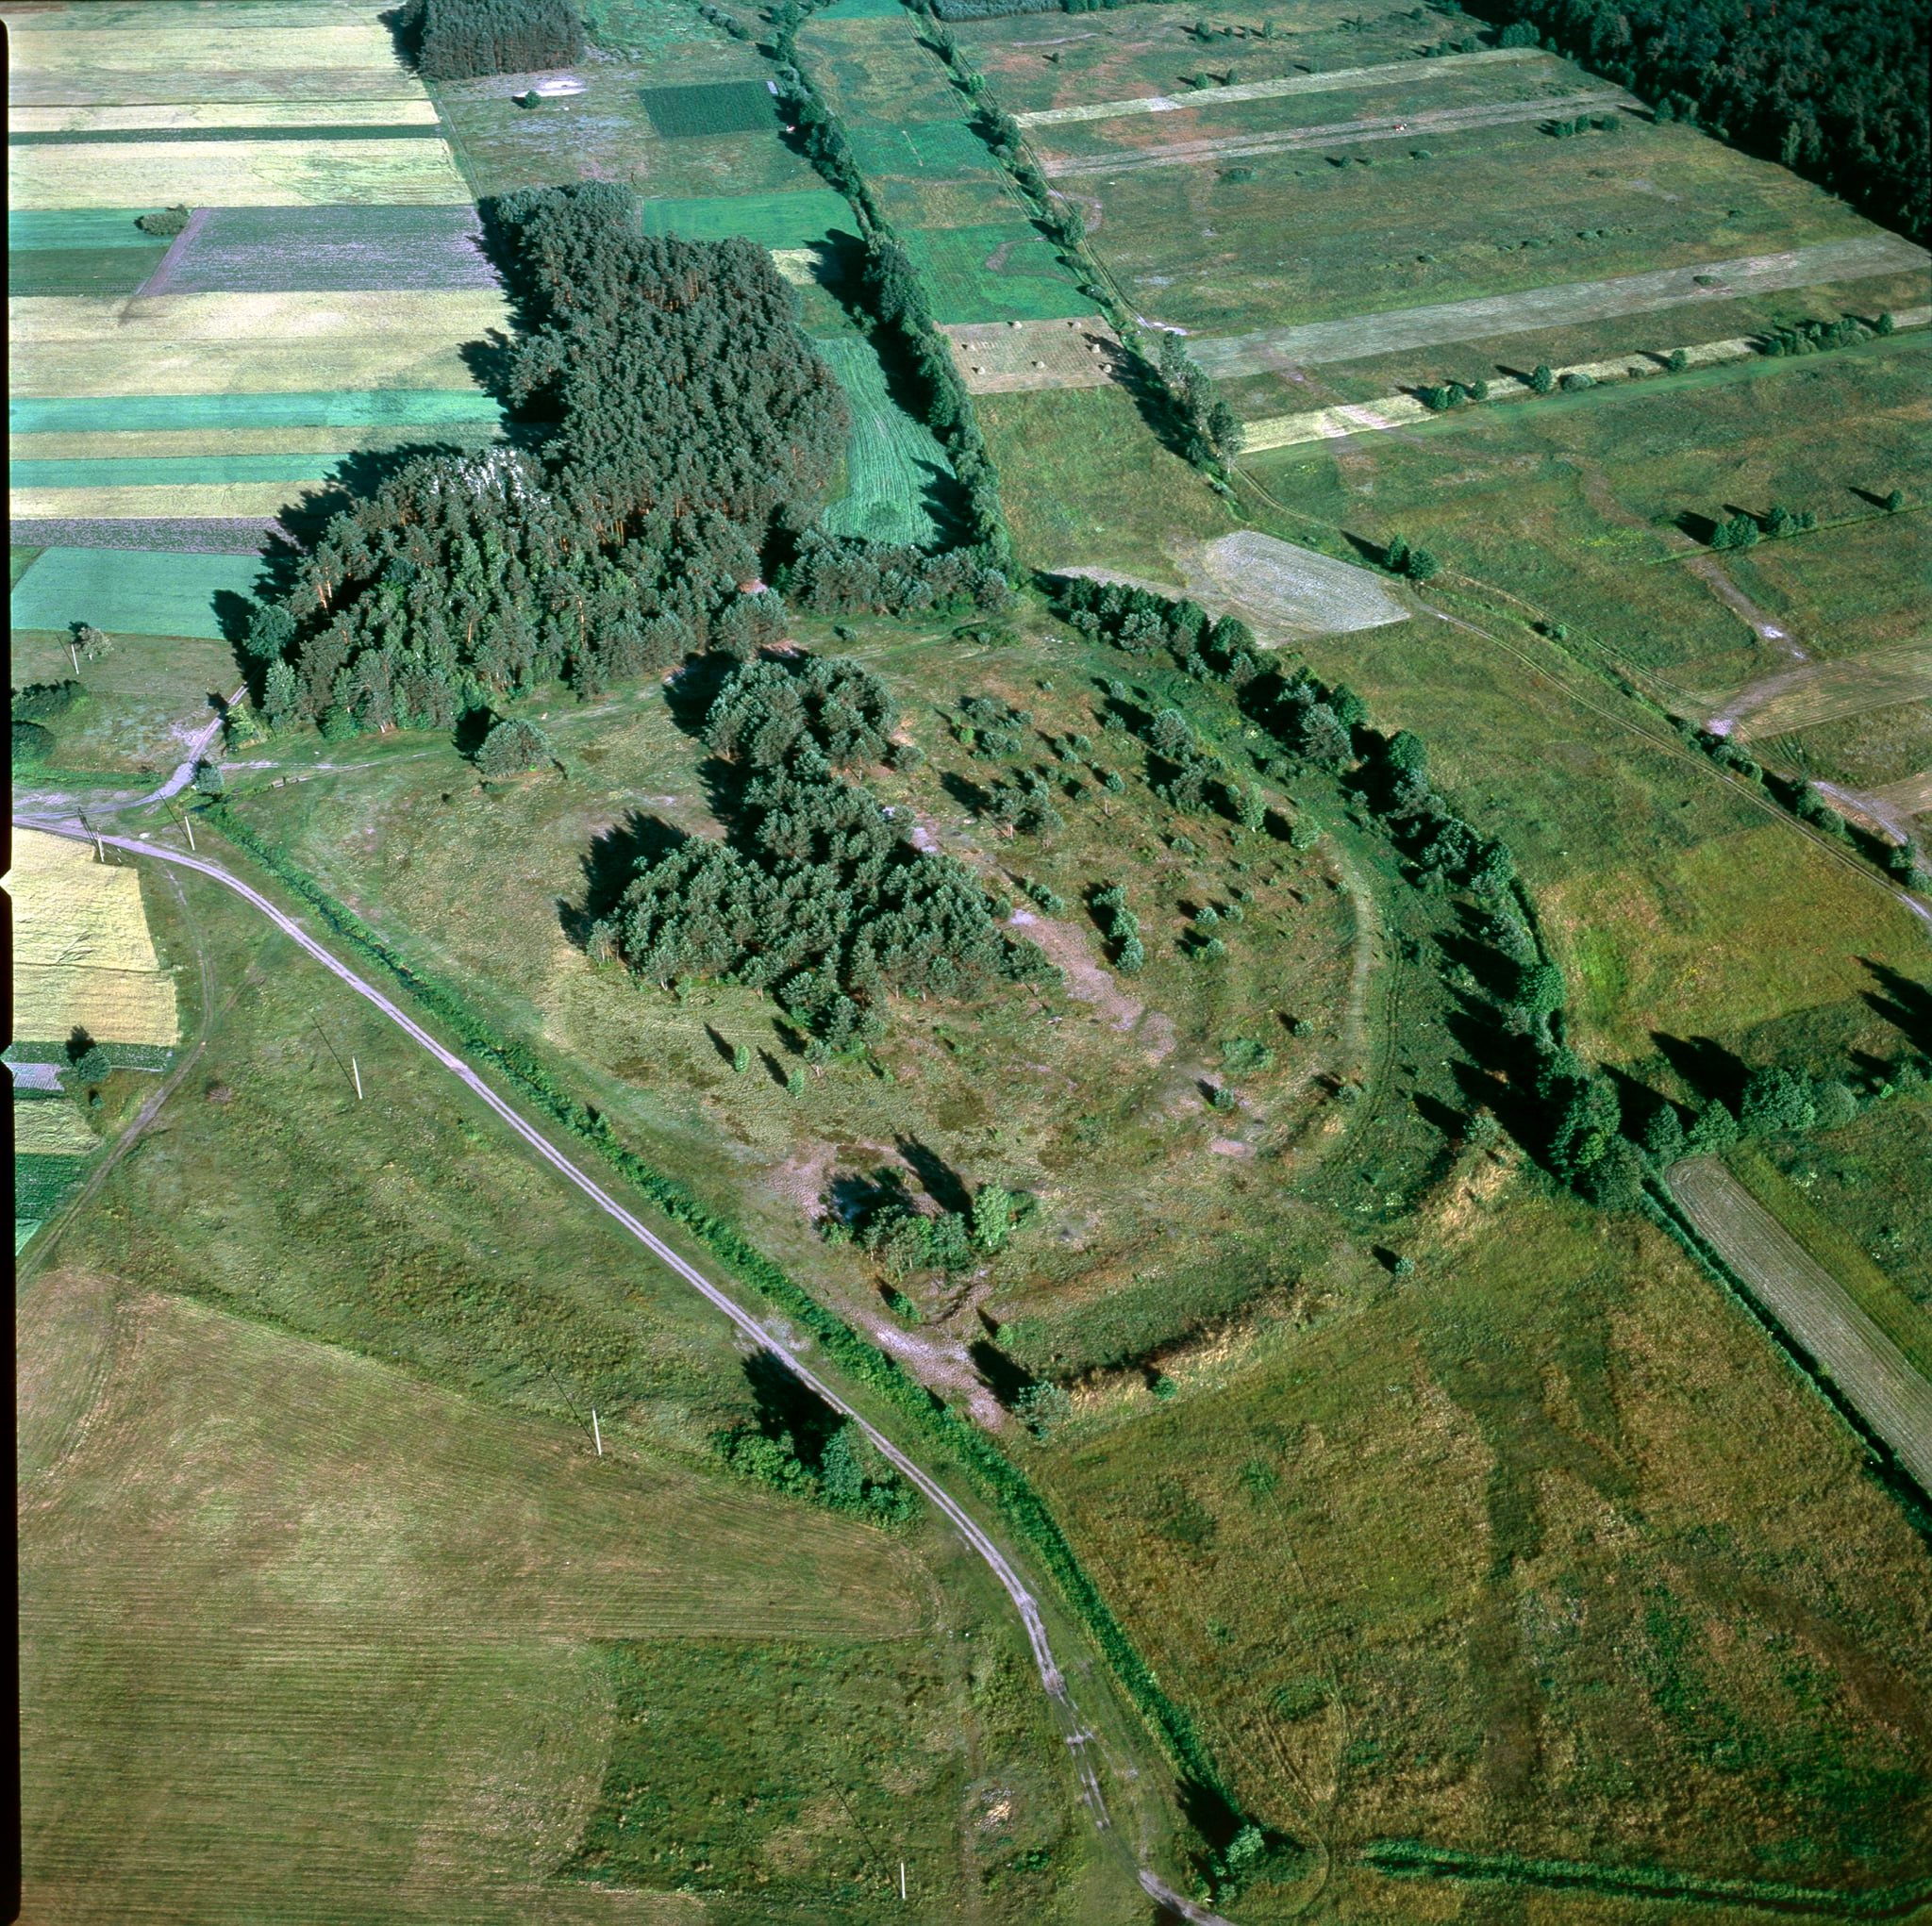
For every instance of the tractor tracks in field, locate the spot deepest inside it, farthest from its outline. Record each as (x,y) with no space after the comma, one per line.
(1081,1740)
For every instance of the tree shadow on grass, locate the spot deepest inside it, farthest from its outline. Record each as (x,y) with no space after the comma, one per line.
(1903,1002)
(609,865)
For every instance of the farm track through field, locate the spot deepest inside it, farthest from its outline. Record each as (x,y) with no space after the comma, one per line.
(1077,1735)
(1446,120)
(1808,1303)
(1660,738)
(1360,337)
(1386,74)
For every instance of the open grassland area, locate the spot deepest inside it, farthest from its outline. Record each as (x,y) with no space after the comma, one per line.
(1595,508)
(329,1609)
(1263,240)
(896,472)
(1023,1088)
(1085,482)
(1546,1550)
(1042,62)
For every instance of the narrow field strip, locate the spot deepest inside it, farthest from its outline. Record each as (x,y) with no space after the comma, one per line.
(81,414)
(1874,1374)
(1338,133)
(217,501)
(31,228)
(195,368)
(1406,411)
(1278,350)
(1388,74)
(52,1130)
(177,535)
(168,470)
(890,460)
(161,137)
(141,323)
(1826,692)
(411,109)
(215,446)
(239,173)
(773,220)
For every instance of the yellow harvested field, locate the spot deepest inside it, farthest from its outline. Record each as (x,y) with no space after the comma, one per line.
(248,343)
(226,322)
(411,109)
(1005,358)
(236,174)
(217,501)
(49,1129)
(82,954)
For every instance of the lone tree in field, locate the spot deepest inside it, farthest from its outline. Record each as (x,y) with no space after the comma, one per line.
(169,220)
(512,747)
(1541,379)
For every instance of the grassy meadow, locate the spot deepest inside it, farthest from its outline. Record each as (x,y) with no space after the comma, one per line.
(315,1533)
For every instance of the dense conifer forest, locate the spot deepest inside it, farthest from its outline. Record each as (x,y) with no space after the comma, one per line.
(686,426)
(1835,89)
(458,40)
(817,896)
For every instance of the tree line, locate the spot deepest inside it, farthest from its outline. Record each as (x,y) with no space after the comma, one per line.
(459,40)
(681,426)
(815,896)
(1834,89)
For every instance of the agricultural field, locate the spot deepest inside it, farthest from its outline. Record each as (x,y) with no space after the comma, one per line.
(1462,1473)
(313,1521)
(177,402)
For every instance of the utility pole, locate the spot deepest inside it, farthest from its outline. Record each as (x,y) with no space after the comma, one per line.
(902,1881)
(189,828)
(595,1433)
(74,650)
(356,1073)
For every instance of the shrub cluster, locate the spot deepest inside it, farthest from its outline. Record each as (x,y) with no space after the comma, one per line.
(816,896)
(840,1469)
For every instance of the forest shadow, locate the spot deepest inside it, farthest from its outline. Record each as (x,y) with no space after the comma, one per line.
(609,865)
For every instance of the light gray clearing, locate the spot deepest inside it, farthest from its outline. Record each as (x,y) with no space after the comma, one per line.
(1276,350)
(1283,592)
(1874,1375)
(1444,120)
(1389,74)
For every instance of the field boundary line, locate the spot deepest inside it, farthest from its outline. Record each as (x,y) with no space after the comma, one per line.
(1406,409)
(1356,338)
(1448,120)
(1383,73)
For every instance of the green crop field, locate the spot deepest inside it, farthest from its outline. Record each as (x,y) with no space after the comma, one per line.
(110,272)
(894,465)
(781,220)
(131,591)
(402,408)
(717,107)
(997,270)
